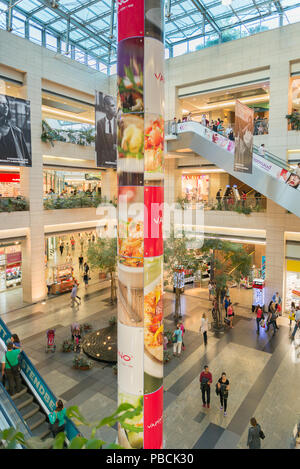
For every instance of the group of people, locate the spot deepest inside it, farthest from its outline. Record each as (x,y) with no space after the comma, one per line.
(232,198)
(96,191)
(83,239)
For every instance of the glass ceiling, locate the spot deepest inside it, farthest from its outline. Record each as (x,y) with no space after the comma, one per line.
(85,30)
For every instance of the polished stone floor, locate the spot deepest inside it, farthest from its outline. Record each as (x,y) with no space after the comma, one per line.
(263,370)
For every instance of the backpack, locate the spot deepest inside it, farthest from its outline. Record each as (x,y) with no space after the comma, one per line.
(204,382)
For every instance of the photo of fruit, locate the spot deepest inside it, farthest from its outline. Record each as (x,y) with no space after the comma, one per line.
(131,143)
(154,145)
(131,435)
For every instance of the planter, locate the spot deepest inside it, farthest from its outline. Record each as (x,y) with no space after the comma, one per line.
(102,276)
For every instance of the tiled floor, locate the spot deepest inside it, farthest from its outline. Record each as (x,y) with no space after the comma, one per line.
(262,369)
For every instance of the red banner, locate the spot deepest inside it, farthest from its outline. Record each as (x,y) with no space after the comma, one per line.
(9,177)
(153,240)
(13,257)
(130,19)
(153,420)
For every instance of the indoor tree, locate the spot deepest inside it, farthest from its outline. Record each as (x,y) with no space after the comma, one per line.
(228,262)
(177,255)
(103,255)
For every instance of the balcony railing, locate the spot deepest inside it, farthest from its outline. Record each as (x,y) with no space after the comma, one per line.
(13,204)
(56,202)
(229,204)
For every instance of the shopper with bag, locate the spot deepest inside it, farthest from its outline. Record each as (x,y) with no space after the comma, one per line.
(230,314)
(259,317)
(205,382)
(11,369)
(255,434)
(223,387)
(57,419)
(204,328)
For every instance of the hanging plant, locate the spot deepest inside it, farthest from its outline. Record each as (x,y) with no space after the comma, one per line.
(294,120)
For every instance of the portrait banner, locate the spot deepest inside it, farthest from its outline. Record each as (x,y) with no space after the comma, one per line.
(244,128)
(106,130)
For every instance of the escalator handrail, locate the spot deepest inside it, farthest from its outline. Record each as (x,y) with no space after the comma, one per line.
(37,384)
(17,423)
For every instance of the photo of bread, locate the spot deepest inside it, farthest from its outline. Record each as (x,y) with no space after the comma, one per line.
(131,143)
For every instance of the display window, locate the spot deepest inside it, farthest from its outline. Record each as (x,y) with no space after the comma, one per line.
(10,266)
(292,283)
(195,188)
(10,184)
(71,182)
(13,275)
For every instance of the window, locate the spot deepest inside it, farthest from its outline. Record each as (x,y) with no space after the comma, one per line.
(51,42)
(35,34)
(180,49)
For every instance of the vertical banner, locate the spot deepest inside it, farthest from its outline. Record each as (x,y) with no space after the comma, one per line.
(106,130)
(244,128)
(140,169)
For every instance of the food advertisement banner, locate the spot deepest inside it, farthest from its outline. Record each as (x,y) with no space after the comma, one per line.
(130,18)
(127,438)
(154,71)
(153,420)
(153,237)
(154,149)
(244,128)
(131,143)
(153,324)
(130,358)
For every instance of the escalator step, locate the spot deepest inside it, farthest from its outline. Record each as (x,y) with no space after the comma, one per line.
(29,410)
(24,389)
(23,400)
(35,420)
(42,431)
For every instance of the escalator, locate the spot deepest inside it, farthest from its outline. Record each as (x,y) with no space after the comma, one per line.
(35,401)
(270,175)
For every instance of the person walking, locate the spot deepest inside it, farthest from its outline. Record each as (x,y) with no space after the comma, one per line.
(297,323)
(74,295)
(49,284)
(57,419)
(86,268)
(227,302)
(219,198)
(230,314)
(223,387)
(272,316)
(177,344)
(11,369)
(15,341)
(204,328)
(292,313)
(276,298)
(205,382)
(261,150)
(244,198)
(80,260)
(254,435)
(86,279)
(61,248)
(259,317)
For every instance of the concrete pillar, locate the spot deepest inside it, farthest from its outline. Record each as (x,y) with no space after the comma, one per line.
(275,251)
(109,184)
(33,250)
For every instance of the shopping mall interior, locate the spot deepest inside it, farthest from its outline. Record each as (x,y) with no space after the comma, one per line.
(241,238)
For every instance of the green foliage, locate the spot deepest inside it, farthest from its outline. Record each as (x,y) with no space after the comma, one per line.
(294,120)
(67,346)
(78,137)
(13,204)
(11,437)
(112,320)
(177,253)
(103,254)
(73,201)
(80,361)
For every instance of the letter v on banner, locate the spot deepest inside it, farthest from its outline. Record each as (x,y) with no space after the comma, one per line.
(140,233)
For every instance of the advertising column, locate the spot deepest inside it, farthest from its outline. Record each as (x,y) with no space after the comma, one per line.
(140,143)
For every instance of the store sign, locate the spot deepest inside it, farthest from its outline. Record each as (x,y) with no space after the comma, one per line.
(9,177)
(14,257)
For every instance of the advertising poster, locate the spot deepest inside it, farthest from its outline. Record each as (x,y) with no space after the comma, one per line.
(153,324)
(130,75)
(130,18)
(153,420)
(130,358)
(127,438)
(154,71)
(153,219)
(154,19)
(15,136)
(154,148)
(131,143)
(244,128)
(106,130)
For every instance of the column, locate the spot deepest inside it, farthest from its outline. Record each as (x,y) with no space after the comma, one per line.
(109,184)
(33,251)
(140,204)
(275,251)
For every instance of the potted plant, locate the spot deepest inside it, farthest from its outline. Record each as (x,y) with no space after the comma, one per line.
(102,275)
(67,346)
(169,335)
(82,363)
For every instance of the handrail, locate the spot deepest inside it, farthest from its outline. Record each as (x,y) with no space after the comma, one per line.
(36,383)
(8,407)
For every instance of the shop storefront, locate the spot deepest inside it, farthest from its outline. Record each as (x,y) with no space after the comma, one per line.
(195,187)
(10,267)
(9,184)
(292,290)
(70,182)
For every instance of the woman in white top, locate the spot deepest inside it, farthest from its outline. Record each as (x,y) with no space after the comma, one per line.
(204,328)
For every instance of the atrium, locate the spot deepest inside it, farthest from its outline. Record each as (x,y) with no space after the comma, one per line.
(149,223)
